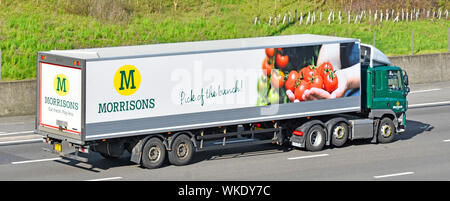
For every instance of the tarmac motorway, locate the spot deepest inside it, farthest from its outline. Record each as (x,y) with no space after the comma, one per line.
(421,153)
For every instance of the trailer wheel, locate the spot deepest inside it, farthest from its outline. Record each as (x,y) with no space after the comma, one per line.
(153,154)
(315,138)
(339,134)
(182,151)
(386,130)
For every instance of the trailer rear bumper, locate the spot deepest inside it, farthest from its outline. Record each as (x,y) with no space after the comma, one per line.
(66,149)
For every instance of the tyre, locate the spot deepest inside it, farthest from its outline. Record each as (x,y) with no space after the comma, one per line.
(315,138)
(154,153)
(339,134)
(182,151)
(386,131)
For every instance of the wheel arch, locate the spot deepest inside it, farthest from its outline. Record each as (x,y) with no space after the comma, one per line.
(136,153)
(307,125)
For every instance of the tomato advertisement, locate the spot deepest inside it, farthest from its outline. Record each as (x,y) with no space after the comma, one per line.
(309,73)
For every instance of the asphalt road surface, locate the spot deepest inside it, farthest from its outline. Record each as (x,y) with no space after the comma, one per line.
(421,153)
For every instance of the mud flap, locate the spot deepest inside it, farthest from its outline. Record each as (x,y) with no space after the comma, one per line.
(136,153)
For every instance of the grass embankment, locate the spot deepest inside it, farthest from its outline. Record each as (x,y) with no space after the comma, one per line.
(29,26)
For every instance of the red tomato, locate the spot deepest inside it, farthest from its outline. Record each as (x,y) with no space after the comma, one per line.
(267,66)
(324,68)
(320,70)
(302,73)
(277,78)
(330,82)
(291,80)
(316,82)
(282,61)
(270,52)
(308,72)
(327,67)
(300,90)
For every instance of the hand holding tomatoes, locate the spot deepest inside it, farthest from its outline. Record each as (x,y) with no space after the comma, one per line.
(335,86)
(317,83)
(310,83)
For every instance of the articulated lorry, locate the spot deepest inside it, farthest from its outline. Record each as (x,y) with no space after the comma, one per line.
(164,102)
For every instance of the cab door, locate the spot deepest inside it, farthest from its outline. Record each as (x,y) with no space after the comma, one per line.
(396,90)
(389,89)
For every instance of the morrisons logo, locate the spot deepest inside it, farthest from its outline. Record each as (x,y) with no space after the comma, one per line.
(61,84)
(127,80)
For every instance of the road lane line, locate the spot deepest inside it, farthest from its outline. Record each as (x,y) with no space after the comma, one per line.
(393,175)
(446,140)
(20,141)
(305,157)
(35,161)
(105,179)
(428,104)
(426,90)
(15,133)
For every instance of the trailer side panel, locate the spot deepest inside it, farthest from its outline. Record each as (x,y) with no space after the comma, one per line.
(137,96)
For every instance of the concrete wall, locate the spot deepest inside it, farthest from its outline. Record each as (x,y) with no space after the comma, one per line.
(425,68)
(18,97)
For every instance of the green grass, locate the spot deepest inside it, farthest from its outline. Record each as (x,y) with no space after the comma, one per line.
(29,26)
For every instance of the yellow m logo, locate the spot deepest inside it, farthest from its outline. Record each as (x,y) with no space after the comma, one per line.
(61,84)
(127,80)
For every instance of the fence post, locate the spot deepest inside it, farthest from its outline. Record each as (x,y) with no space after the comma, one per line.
(374,38)
(448,40)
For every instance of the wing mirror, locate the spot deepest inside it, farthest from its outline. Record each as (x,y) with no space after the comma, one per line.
(405,78)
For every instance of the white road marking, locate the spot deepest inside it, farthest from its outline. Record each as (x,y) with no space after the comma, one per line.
(20,141)
(105,179)
(35,161)
(426,90)
(428,104)
(447,140)
(15,133)
(393,175)
(304,157)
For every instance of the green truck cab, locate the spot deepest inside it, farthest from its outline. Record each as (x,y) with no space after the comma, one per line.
(386,86)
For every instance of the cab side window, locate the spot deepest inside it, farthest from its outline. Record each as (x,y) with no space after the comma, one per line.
(394,80)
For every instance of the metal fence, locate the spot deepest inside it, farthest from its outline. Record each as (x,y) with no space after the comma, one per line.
(349,17)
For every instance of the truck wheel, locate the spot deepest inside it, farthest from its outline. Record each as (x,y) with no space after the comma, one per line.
(153,154)
(315,139)
(182,151)
(386,131)
(339,134)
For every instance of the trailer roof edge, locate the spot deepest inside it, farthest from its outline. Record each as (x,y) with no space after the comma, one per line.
(198,47)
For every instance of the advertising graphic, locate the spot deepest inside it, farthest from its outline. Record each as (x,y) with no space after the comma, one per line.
(309,73)
(193,83)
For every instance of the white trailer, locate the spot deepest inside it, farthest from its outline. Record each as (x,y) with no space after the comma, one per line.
(169,100)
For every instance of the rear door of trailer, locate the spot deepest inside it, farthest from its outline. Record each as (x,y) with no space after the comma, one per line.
(59,98)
